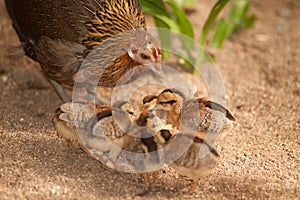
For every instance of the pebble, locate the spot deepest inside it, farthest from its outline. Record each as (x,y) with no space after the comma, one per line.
(4,78)
(284,12)
(281,28)
(262,37)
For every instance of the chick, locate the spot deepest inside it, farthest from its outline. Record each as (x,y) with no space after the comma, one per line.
(146,157)
(188,155)
(171,101)
(149,103)
(195,118)
(104,134)
(72,115)
(156,117)
(93,127)
(197,161)
(111,135)
(195,114)
(206,118)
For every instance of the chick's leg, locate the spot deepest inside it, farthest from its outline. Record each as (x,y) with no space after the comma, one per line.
(194,185)
(146,179)
(191,190)
(147,189)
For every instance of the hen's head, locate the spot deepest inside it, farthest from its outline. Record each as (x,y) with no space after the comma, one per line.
(118,41)
(145,50)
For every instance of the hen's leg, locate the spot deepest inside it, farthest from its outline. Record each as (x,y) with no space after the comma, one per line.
(60,91)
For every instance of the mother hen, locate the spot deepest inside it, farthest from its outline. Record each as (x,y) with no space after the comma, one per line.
(60,35)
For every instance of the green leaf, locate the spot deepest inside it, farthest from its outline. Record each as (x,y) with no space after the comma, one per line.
(154,7)
(222,31)
(184,25)
(186,3)
(175,19)
(158,10)
(249,21)
(180,17)
(164,35)
(238,13)
(237,19)
(211,19)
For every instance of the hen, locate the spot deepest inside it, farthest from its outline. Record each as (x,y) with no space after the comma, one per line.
(60,35)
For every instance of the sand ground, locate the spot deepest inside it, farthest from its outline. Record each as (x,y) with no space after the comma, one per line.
(260,157)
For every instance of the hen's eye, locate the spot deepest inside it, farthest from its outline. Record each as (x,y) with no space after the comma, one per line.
(145,56)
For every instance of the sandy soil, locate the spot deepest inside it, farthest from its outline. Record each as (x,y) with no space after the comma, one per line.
(260,157)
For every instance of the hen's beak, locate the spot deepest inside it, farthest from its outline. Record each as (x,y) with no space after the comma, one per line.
(157,69)
(156,66)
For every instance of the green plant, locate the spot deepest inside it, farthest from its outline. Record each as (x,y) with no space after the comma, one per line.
(215,11)
(175,19)
(237,19)
(186,3)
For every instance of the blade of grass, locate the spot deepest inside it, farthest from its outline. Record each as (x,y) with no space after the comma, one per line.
(187,3)
(175,20)
(222,31)
(237,14)
(159,11)
(185,26)
(211,19)
(158,7)
(180,17)
(236,20)
(164,36)
(249,21)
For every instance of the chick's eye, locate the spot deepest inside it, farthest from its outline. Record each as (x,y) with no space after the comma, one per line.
(130,112)
(171,102)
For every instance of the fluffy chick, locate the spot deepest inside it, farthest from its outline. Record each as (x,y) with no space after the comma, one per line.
(93,127)
(197,161)
(171,101)
(72,115)
(206,117)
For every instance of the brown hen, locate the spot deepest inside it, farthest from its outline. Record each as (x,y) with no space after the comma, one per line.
(60,35)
